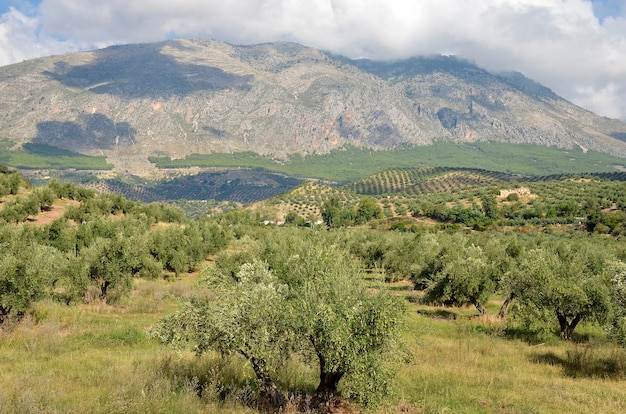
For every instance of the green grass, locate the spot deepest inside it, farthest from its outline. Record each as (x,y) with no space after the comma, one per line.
(459,368)
(354,163)
(100,359)
(38,156)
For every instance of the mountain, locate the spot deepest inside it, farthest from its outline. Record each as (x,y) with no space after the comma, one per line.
(180,97)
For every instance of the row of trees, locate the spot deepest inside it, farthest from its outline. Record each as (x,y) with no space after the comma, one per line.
(546,278)
(96,248)
(68,261)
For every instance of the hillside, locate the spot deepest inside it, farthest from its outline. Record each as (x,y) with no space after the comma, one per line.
(408,199)
(179,97)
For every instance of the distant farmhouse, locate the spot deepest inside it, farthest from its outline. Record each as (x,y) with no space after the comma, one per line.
(519,191)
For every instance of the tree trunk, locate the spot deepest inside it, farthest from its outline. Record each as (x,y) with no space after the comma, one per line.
(103,289)
(567,328)
(268,390)
(480,308)
(329,381)
(327,388)
(505,306)
(4,312)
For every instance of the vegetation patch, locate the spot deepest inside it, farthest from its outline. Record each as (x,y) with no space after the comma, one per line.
(42,156)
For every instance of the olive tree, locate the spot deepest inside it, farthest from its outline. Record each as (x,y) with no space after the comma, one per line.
(334,214)
(616,270)
(567,279)
(462,276)
(367,210)
(350,331)
(490,206)
(246,316)
(409,256)
(311,301)
(112,263)
(26,274)
(61,234)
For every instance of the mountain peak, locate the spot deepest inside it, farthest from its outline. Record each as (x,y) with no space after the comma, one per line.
(199,96)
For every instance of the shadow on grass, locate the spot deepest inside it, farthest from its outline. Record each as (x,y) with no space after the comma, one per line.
(438,314)
(399,288)
(586,362)
(530,336)
(545,334)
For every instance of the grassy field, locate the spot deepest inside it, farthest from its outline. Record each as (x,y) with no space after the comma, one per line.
(41,156)
(462,366)
(100,359)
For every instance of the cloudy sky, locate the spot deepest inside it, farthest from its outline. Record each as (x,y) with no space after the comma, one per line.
(575,47)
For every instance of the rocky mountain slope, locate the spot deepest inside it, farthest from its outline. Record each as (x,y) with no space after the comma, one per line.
(198,96)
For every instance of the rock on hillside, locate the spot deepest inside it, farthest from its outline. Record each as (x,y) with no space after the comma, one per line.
(198,96)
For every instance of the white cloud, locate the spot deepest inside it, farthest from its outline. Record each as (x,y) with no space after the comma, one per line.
(560,43)
(22,37)
(17,37)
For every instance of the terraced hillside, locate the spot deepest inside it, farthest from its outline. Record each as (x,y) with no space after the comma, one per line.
(467,197)
(415,181)
(410,182)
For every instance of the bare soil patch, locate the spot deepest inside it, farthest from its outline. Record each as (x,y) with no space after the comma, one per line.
(54,212)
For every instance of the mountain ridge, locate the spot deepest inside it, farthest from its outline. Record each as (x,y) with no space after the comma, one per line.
(186,96)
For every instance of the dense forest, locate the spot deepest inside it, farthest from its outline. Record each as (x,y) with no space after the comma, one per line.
(316,300)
